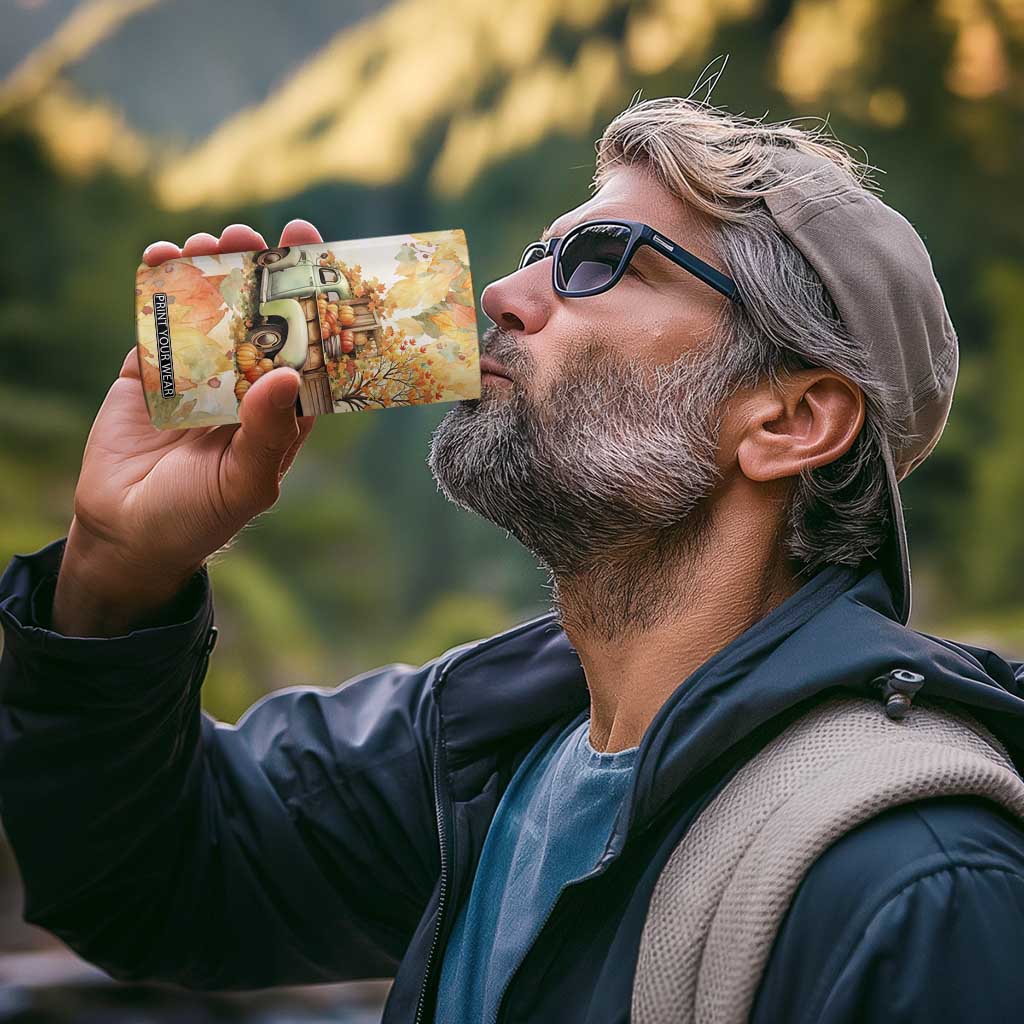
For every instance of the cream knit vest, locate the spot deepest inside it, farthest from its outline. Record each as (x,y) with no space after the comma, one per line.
(722,894)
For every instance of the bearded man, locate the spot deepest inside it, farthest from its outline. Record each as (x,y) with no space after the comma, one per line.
(701,390)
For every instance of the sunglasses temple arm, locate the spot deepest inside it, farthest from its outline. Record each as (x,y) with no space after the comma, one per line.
(695,265)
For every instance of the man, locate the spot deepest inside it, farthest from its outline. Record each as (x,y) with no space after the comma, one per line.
(701,442)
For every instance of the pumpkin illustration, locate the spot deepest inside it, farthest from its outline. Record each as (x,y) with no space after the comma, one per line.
(241,386)
(346,316)
(265,364)
(246,356)
(253,374)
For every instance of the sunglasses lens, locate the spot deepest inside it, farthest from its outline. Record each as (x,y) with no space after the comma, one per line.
(591,255)
(532,254)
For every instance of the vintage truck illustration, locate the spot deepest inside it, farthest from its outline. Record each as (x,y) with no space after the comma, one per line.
(287,326)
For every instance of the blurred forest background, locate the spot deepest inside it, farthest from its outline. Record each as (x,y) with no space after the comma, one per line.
(127,122)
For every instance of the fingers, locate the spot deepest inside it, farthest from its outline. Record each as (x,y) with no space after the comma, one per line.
(234,238)
(299,232)
(159,252)
(130,366)
(201,244)
(269,429)
(240,238)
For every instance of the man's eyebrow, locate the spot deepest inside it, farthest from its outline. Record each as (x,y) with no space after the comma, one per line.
(545,234)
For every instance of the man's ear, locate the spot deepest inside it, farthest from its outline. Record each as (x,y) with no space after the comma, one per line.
(810,421)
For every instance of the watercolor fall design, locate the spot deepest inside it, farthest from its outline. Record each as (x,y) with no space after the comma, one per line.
(404,334)
(404,372)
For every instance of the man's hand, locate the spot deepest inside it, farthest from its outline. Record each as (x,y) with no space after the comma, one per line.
(151,505)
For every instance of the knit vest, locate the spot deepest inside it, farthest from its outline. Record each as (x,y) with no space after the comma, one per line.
(726,887)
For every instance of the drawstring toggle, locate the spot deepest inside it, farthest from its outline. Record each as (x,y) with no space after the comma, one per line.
(899,687)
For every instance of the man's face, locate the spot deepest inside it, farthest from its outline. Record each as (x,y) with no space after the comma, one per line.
(656,312)
(604,440)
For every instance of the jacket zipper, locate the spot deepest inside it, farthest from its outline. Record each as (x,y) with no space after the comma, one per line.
(439,807)
(443,885)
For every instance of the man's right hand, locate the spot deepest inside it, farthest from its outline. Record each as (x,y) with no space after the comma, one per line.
(152,505)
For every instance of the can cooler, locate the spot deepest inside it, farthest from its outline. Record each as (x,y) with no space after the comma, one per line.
(368,324)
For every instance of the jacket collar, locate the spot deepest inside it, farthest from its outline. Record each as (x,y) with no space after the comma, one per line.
(840,630)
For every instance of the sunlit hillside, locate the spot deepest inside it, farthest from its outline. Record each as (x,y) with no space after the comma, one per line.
(462,84)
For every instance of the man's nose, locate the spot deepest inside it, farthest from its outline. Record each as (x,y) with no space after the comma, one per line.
(516,302)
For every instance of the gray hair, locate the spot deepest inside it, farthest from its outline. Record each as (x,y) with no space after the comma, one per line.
(720,164)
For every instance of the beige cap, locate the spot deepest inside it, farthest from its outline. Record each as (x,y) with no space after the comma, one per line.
(880,276)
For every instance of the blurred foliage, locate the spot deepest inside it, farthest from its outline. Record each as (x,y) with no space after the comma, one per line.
(993,548)
(469,118)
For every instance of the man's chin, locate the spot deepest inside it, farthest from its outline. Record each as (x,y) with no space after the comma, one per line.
(491,389)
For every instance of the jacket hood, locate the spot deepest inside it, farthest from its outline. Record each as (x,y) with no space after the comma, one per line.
(838,632)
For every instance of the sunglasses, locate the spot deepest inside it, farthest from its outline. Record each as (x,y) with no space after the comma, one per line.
(594,255)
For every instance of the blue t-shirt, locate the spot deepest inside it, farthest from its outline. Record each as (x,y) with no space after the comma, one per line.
(549,828)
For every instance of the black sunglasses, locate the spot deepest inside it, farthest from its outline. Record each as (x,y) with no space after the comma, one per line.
(594,255)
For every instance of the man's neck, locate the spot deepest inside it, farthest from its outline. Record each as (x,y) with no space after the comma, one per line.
(641,627)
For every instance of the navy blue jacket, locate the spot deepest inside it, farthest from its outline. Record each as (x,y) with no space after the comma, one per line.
(332,833)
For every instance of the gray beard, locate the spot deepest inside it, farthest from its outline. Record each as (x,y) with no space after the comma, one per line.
(605,480)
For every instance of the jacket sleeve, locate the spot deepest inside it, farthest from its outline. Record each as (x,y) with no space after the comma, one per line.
(913,918)
(298,846)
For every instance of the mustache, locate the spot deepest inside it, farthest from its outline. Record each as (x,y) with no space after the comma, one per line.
(502,346)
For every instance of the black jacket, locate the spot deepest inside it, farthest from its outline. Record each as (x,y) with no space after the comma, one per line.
(332,833)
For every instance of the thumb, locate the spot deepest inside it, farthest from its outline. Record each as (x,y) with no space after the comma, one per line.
(269,428)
